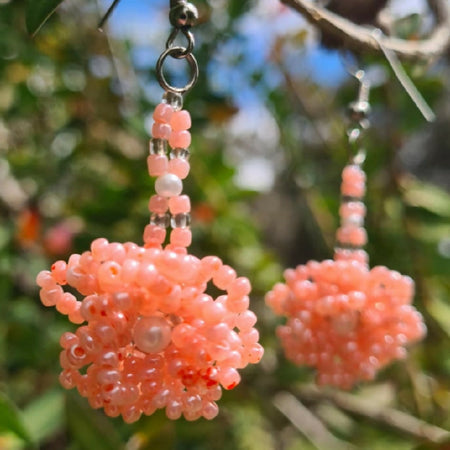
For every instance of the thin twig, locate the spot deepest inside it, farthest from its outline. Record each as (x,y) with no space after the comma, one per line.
(307,423)
(107,14)
(358,37)
(405,81)
(123,68)
(391,417)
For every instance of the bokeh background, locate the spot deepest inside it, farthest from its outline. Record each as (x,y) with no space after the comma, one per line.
(269,143)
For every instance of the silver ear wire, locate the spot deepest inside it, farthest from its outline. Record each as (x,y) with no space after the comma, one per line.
(182,14)
(358,110)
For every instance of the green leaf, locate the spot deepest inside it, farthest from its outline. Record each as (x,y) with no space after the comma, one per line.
(37,13)
(10,419)
(426,196)
(44,416)
(88,428)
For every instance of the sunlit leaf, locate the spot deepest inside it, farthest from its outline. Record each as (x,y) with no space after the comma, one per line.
(45,416)
(37,13)
(90,429)
(250,430)
(10,419)
(426,196)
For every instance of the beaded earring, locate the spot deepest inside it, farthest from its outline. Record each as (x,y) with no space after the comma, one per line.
(343,318)
(150,335)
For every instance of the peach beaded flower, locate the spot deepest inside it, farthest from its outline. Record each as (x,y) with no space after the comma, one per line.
(150,335)
(343,318)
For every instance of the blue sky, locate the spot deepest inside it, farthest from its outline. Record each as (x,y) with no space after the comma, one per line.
(145,23)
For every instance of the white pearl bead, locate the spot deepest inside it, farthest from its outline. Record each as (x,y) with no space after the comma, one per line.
(168,185)
(152,334)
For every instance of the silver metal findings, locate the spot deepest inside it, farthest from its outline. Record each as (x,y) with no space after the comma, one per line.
(183,15)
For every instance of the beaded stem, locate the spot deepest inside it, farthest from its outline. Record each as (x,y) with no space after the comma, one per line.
(169,207)
(351,236)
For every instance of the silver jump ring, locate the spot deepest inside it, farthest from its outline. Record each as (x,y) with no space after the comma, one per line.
(177,53)
(190,40)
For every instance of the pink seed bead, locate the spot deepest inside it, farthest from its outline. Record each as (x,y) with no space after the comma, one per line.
(75,315)
(158,204)
(353,174)
(51,297)
(246,320)
(67,378)
(109,275)
(255,354)
(350,209)
(99,248)
(66,303)
(224,277)
(161,131)
(210,410)
(352,235)
(157,165)
(213,312)
(353,189)
(238,304)
(116,252)
(211,264)
(180,139)
(183,334)
(251,337)
(45,279)
(68,339)
(181,237)
(154,235)
(130,268)
(170,303)
(179,204)
(240,287)
(147,275)
(108,376)
(163,113)
(180,167)
(229,378)
(104,334)
(180,121)
(59,271)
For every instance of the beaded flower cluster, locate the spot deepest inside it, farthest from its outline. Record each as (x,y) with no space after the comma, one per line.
(150,335)
(343,318)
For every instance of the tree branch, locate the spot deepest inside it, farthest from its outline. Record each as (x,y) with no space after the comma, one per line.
(387,416)
(307,423)
(358,37)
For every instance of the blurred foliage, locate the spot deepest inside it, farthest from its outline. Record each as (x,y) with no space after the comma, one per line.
(38,12)
(72,168)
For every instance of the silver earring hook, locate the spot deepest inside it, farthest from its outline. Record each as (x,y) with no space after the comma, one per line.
(182,14)
(358,110)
